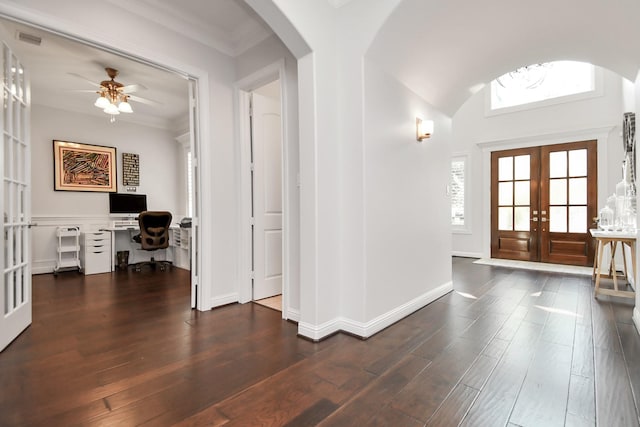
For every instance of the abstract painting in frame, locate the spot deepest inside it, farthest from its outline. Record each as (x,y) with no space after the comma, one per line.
(84,167)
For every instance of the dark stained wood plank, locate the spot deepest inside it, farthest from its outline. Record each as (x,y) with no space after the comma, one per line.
(582,399)
(126,349)
(543,397)
(615,406)
(454,408)
(631,350)
(422,396)
(366,405)
(494,404)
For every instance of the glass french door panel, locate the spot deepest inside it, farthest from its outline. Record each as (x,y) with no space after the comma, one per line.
(558,219)
(578,191)
(578,162)
(505,168)
(522,167)
(522,220)
(505,193)
(557,164)
(577,219)
(557,191)
(7,155)
(522,193)
(505,218)
(8,293)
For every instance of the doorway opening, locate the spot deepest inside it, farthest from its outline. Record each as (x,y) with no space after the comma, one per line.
(266,195)
(188,91)
(543,203)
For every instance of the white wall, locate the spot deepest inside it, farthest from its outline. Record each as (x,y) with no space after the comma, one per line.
(158,174)
(408,239)
(599,118)
(157,150)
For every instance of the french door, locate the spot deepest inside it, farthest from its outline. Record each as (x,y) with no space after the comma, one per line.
(15,295)
(543,201)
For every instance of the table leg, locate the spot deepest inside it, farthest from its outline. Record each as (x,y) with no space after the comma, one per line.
(612,267)
(599,263)
(624,260)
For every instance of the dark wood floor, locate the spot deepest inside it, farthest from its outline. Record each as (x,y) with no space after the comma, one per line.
(513,347)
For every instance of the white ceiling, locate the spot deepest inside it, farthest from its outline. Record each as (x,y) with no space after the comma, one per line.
(229,26)
(447,50)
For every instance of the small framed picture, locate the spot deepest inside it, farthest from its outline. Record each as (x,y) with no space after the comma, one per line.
(84,167)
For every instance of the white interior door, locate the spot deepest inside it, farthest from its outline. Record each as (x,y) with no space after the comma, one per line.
(266,138)
(15,296)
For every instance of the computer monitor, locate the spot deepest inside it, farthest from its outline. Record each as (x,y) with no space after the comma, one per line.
(127,204)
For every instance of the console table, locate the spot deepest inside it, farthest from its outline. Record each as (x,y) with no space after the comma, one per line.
(613,239)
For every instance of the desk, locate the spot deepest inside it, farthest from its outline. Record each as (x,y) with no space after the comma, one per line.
(613,239)
(178,251)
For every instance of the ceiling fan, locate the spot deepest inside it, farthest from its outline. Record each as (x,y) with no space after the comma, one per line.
(114,96)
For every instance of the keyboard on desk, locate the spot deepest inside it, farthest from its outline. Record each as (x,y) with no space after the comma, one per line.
(124,223)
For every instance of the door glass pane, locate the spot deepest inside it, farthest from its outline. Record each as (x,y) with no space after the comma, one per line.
(522,167)
(505,219)
(558,219)
(505,168)
(578,162)
(522,218)
(558,164)
(505,193)
(578,191)
(557,191)
(522,193)
(577,219)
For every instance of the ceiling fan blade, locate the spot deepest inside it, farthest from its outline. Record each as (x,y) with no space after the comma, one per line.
(133,88)
(83,90)
(144,100)
(91,82)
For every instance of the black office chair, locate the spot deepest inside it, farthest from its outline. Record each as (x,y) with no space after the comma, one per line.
(154,235)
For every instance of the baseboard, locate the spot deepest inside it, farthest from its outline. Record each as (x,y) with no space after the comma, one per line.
(293,315)
(317,333)
(467,254)
(43,267)
(636,318)
(367,329)
(224,299)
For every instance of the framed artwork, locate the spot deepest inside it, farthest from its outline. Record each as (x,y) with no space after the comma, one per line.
(84,167)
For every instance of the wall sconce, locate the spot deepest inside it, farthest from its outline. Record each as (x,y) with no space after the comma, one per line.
(424,129)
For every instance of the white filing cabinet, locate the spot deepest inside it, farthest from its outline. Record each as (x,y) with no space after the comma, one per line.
(95,251)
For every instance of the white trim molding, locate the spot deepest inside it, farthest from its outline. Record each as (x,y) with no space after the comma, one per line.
(367,329)
(636,318)
(220,300)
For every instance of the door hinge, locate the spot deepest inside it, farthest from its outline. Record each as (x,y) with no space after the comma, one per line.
(252,275)
(253,167)
(252,221)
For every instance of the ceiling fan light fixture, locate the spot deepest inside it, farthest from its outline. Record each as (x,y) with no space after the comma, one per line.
(111,109)
(102,102)
(125,107)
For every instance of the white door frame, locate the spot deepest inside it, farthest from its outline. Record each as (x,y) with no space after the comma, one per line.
(91,37)
(243,90)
